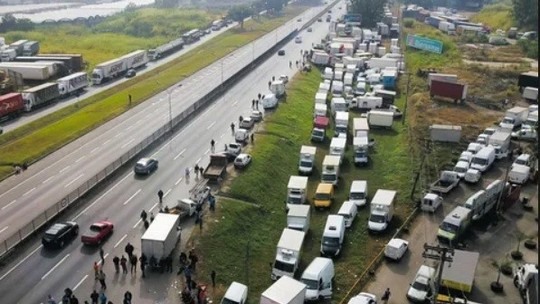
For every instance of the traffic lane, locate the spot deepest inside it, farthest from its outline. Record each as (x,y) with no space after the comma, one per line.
(93,90)
(424,230)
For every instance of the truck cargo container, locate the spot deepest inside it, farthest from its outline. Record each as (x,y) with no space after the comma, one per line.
(452,78)
(76,62)
(116,67)
(54,67)
(382,63)
(360,124)
(284,291)
(366,103)
(445,133)
(483,201)
(381,210)
(289,249)
(166,49)
(297,189)
(459,275)
(389,78)
(500,140)
(40,95)
(298,217)
(30,48)
(454,225)
(528,79)
(70,63)
(8,55)
(28,72)
(18,46)
(217,167)
(378,118)
(307,159)
(514,117)
(72,84)
(320,58)
(136,59)
(454,91)
(11,105)
(160,239)
(530,94)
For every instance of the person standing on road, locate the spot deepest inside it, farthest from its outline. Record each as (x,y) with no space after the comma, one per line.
(129,249)
(116,262)
(193,260)
(213,146)
(102,298)
(257,103)
(240,119)
(252,138)
(142,260)
(94,296)
(96,270)
(102,256)
(160,196)
(290,64)
(133,262)
(123,263)
(187,274)
(253,104)
(151,217)
(196,170)
(102,278)
(201,170)
(143,215)
(269,84)
(232,128)
(146,224)
(386,295)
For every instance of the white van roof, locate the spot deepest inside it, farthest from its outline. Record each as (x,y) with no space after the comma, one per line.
(485,152)
(320,95)
(360,140)
(316,266)
(291,239)
(235,292)
(345,207)
(334,225)
(384,197)
(282,289)
(358,186)
(321,106)
(338,100)
(342,115)
(308,150)
(297,182)
(338,142)
(298,210)
(331,160)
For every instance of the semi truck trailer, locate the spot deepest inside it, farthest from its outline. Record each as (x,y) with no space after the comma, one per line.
(40,95)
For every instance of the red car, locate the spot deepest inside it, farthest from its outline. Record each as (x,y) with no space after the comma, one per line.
(97,233)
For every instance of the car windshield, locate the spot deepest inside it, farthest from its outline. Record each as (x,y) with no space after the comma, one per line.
(420,286)
(460,169)
(311,284)
(449,227)
(305,163)
(520,162)
(479,161)
(228,301)
(357,196)
(322,196)
(286,267)
(330,241)
(376,218)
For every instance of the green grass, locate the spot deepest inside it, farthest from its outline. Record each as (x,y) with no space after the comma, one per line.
(240,240)
(497,16)
(118,35)
(47,134)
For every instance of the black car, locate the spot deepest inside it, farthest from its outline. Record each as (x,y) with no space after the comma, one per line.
(146,166)
(281,53)
(60,234)
(131,73)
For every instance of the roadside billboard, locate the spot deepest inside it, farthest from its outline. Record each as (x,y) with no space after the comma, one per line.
(426,44)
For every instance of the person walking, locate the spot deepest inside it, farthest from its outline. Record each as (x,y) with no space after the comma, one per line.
(102,298)
(127,297)
(123,263)
(50,300)
(146,224)
(269,84)
(253,104)
(94,296)
(151,217)
(168,263)
(200,221)
(213,277)
(73,300)
(240,119)
(257,104)
(143,215)
(193,260)
(187,274)
(201,170)
(133,262)
(142,260)
(386,295)
(116,262)
(160,196)
(290,64)
(232,128)
(196,170)
(102,278)
(252,138)
(259,96)
(96,270)
(102,256)
(129,249)
(213,146)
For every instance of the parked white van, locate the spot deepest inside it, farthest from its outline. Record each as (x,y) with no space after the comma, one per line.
(461,168)
(359,192)
(348,210)
(318,277)
(420,289)
(235,294)
(269,101)
(483,160)
(333,235)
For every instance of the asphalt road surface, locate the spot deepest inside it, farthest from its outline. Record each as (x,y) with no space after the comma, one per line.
(25,196)
(93,90)
(39,272)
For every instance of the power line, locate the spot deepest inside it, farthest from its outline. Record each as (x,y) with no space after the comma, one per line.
(441,254)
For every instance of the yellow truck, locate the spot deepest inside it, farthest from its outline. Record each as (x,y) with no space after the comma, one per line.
(324,195)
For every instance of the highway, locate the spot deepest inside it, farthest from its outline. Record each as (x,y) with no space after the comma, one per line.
(25,196)
(93,90)
(38,272)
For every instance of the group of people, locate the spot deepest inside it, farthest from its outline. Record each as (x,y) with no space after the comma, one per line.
(19,168)
(95,298)
(192,293)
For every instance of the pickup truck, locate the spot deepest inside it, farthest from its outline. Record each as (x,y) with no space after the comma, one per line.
(446,182)
(216,168)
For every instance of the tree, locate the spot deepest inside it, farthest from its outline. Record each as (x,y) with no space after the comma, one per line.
(8,23)
(166,3)
(526,13)
(240,12)
(275,5)
(372,11)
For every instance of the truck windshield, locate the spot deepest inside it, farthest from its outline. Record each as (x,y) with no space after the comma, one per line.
(357,195)
(306,163)
(285,267)
(449,227)
(322,196)
(328,177)
(318,133)
(330,241)
(508,121)
(311,284)
(479,161)
(520,162)
(295,200)
(341,129)
(228,301)
(377,218)
(460,169)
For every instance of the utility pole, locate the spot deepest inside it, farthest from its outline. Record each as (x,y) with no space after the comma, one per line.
(441,254)
(406,98)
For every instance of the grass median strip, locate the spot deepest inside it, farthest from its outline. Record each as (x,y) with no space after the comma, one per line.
(239,240)
(47,134)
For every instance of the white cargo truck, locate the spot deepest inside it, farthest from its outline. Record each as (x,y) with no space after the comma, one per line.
(380,119)
(338,104)
(358,194)
(483,160)
(361,148)
(530,94)
(320,97)
(500,140)
(72,84)
(324,87)
(337,147)
(320,109)
(307,160)
(342,124)
(297,189)
(519,174)
(160,239)
(119,66)
(382,210)
(288,253)
(330,170)
(298,217)
(366,103)
(320,58)
(284,291)
(328,73)
(277,88)
(481,202)
(359,125)
(28,72)
(514,117)
(337,88)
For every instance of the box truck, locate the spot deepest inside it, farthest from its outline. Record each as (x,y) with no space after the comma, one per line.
(500,140)
(361,148)
(297,190)
(454,91)
(337,147)
(481,202)
(320,98)
(72,84)
(381,210)
(366,103)
(528,79)
(330,171)
(514,117)
(11,105)
(288,253)
(459,275)
(319,279)
(116,67)
(454,225)
(160,239)
(284,291)
(307,159)
(377,118)
(30,48)
(342,124)
(360,125)
(40,95)
(298,217)
(28,72)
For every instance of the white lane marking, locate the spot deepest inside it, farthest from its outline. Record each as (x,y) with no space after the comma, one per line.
(99,198)
(221,136)
(19,264)
(94,150)
(55,266)
(74,180)
(6,206)
(137,223)
(130,141)
(178,181)
(62,171)
(120,241)
(130,127)
(198,160)
(179,154)
(28,192)
(80,282)
(167,193)
(48,179)
(119,134)
(80,158)
(4,229)
(211,125)
(155,205)
(105,142)
(206,152)
(131,197)
(104,257)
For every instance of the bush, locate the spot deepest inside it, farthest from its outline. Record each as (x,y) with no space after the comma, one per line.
(408,23)
(530,48)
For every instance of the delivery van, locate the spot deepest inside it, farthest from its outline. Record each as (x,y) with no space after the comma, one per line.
(333,235)
(358,193)
(318,277)
(348,210)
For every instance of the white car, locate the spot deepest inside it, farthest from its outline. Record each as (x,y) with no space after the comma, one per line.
(236,293)
(242,161)
(256,116)
(234,148)
(298,39)
(472,176)
(247,123)
(284,78)
(363,298)
(420,289)
(241,136)
(396,249)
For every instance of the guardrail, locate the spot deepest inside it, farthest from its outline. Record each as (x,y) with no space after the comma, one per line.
(51,213)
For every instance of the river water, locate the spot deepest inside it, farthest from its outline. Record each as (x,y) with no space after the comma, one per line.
(85,11)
